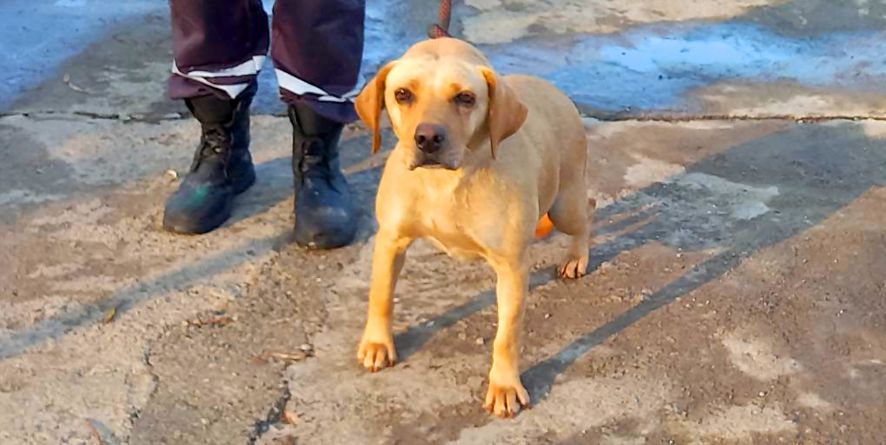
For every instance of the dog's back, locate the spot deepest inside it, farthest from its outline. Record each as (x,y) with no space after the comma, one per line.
(555,131)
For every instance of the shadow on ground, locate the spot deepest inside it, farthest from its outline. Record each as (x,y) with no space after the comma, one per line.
(803,171)
(272,187)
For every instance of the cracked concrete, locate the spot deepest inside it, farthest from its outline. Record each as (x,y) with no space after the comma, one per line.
(736,286)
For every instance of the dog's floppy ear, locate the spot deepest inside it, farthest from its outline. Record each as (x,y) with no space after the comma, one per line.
(371,101)
(506,113)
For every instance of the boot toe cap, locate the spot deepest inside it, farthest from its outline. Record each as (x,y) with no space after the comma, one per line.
(197,210)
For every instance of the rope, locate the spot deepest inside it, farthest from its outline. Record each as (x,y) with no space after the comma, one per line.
(444,14)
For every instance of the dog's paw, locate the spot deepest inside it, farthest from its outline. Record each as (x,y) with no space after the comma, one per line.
(574,267)
(505,399)
(375,355)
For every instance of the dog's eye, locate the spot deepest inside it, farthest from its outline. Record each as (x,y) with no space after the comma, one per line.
(465,99)
(403,96)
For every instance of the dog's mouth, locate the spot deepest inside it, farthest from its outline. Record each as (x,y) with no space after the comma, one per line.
(430,164)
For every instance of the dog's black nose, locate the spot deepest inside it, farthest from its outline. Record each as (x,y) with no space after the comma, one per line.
(429,137)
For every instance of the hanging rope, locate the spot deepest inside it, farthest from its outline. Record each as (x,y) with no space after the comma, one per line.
(444,14)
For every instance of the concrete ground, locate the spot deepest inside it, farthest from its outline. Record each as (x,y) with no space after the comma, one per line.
(738,156)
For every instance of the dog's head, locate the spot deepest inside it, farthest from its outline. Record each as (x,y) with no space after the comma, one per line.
(443,100)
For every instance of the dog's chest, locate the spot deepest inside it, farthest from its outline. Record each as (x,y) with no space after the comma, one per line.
(458,247)
(450,226)
(450,235)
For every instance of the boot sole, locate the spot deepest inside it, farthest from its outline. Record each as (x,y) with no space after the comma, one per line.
(309,239)
(312,243)
(188,228)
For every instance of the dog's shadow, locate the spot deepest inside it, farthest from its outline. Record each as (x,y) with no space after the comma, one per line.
(796,169)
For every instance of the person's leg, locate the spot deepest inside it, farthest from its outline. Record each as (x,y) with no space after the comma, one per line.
(317,49)
(218,49)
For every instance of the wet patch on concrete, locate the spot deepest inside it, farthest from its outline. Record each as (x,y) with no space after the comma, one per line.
(657,67)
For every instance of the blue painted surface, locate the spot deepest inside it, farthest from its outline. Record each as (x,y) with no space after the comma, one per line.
(644,68)
(36,36)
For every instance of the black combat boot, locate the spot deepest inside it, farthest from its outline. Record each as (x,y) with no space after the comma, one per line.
(324,212)
(221,169)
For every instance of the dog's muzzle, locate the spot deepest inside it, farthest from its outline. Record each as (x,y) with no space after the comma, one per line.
(430,144)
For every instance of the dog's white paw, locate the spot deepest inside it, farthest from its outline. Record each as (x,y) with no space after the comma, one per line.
(377,355)
(574,267)
(505,399)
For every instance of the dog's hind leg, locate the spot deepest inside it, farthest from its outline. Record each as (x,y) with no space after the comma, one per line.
(571,214)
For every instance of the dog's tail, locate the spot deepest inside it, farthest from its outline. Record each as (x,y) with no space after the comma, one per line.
(544,227)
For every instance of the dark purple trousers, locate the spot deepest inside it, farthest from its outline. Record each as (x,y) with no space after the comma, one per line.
(219,46)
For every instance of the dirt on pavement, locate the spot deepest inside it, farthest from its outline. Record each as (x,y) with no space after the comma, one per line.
(736,296)
(736,292)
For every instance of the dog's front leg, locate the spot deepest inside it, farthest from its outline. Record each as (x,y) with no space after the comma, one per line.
(376,350)
(506,394)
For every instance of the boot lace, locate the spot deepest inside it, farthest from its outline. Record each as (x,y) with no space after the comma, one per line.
(214,142)
(315,163)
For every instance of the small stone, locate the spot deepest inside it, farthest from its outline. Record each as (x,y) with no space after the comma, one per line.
(289,417)
(547,316)
(480,341)
(172,174)
(305,347)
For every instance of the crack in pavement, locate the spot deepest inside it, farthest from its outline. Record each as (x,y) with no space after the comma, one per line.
(600,116)
(90,115)
(274,415)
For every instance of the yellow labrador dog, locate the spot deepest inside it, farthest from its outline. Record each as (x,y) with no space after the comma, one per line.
(480,159)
